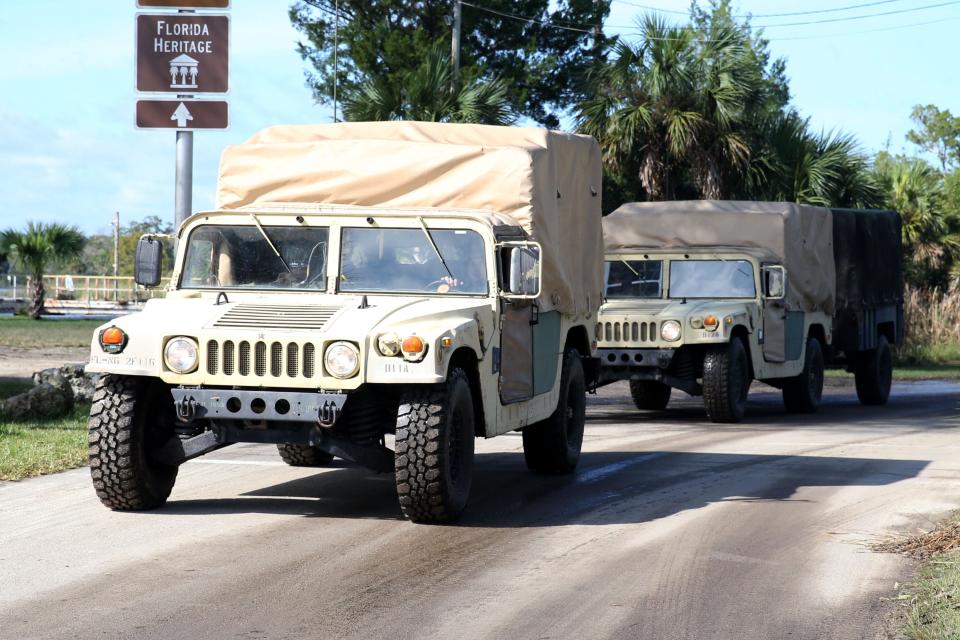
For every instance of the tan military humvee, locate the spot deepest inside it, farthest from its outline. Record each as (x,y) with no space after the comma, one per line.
(362,285)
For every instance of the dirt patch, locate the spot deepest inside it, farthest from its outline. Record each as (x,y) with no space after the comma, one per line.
(21,363)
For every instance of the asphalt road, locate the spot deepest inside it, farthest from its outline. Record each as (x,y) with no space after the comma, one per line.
(672,528)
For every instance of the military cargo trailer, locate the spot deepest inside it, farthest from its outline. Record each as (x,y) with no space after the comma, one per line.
(380,292)
(706,296)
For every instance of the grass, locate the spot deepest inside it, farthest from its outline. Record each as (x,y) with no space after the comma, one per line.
(933,599)
(37,447)
(919,372)
(24,333)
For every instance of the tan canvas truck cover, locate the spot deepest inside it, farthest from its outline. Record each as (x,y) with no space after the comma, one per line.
(546,182)
(799,237)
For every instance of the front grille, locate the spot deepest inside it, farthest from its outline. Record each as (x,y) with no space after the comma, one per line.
(274,360)
(626,332)
(268,316)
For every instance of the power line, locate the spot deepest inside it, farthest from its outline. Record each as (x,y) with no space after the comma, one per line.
(860,17)
(532,21)
(765,15)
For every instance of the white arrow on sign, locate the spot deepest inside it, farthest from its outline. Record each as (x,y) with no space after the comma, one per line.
(181,115)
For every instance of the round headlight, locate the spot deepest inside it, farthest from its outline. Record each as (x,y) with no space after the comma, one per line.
(180,355)
(670,331)
(388,344)
(342,360)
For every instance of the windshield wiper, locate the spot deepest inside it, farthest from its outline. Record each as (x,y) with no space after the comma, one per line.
(635,272)
(263,232)
(423,225)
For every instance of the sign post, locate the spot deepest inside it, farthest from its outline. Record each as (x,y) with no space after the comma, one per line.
(185,54)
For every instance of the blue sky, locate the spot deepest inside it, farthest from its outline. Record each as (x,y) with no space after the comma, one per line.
(69,151)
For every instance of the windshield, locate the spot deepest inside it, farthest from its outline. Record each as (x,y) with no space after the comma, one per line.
(405,261)
(242,257)
(711,279)
(634,279)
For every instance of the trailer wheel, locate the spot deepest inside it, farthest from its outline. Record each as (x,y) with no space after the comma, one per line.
(802,393)
(552,446)
(302,455)
(129,418)
(874,374)
(434,449)
(649,394)
(726,381)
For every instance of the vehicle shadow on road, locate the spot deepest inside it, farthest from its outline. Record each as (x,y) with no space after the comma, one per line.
(608,488)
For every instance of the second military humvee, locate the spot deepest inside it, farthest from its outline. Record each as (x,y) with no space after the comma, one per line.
(361,286)
(705,296)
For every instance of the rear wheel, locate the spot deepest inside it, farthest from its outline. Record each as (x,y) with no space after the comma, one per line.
(802,393)
(649,394)
(130,418)
(434,449)
(552,446)
(874,374)
(302,455)
(726,381)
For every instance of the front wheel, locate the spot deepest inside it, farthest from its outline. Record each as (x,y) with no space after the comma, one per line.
(726,381)
(874,374)
(649,395)
(434,449)
(130,419)
(552,446)
(802,393)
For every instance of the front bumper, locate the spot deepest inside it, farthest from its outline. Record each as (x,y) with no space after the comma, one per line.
(258,404)
(619,358)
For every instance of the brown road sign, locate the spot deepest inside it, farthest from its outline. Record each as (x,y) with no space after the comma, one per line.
(183,4)
(182,115)
(182,53)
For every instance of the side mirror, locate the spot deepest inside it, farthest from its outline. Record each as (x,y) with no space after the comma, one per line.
(521,260)
(774,281)
(148,263)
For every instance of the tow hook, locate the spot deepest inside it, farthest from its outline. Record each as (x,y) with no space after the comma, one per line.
(186,408)
(328,414)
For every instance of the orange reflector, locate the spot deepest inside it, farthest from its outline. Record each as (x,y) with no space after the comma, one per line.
(412,344)
(711,321)
(446,342)
(113,335)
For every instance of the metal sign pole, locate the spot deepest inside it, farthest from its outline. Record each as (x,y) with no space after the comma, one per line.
(184,188)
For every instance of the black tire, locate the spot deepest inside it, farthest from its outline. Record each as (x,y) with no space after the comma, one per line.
(552,446)
(726,381)
(302,455)
(434,450)
(802,393)
(129,418)
(874,374)
(649,394)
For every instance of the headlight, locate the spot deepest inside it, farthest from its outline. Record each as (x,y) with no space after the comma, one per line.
(670,331)
(180,355)
(342,360)
(388,344)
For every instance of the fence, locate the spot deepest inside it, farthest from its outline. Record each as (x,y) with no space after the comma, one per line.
(82,288)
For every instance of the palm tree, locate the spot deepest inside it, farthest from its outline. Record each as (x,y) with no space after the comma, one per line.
(429,93)
(671,109)
(32,250)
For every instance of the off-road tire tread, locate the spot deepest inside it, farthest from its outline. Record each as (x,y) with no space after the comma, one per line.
(866,376)
(717,378)
(650,395)
(418,441)
(303,455)
(121,479)
(796,396)
(544,447)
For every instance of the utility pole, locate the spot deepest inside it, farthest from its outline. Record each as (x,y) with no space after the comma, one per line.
(455,44)
(336,46)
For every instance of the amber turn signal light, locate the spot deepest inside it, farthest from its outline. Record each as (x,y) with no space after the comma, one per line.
(711,323)
(113,340)
(413,348)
